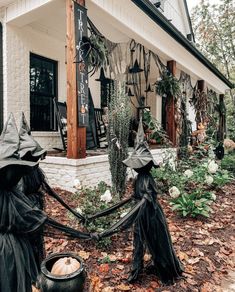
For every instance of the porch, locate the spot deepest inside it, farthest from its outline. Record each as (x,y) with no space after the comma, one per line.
(41,32)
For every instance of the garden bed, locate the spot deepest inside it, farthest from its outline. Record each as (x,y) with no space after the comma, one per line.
(204,246)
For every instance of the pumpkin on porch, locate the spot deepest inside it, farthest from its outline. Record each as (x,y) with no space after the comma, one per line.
(65,266)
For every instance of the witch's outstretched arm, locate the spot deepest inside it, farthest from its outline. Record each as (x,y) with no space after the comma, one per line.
(67,230)
(53,194)
(127,220)
(109,210)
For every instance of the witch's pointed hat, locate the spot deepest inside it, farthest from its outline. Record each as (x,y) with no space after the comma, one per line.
(29,149)
(9,140)
(141,155)
(12,168)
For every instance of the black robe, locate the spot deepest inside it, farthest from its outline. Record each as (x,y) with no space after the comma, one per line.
(151,229)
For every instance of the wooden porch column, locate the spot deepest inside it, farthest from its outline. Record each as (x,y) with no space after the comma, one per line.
(170,108)
(201,86)
(76,145)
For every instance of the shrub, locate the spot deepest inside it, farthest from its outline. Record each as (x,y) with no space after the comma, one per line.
(193,204)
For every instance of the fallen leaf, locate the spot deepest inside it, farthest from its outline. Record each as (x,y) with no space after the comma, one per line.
(108,289)
(191,282)
(193,261)
(104,268)
(112,258)
(196,252)
(95,285)
(120,267)
(115,271)
(182,256)
(124,287)
(83,254)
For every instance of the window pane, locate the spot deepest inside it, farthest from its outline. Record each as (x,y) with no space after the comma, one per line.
(43,81)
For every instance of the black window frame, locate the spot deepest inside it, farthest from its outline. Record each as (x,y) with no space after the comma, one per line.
(53,127)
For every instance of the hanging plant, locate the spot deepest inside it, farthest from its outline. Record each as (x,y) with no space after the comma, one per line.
(95,51)
(167,84)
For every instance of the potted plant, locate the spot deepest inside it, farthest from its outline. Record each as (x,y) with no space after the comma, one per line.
(167,84)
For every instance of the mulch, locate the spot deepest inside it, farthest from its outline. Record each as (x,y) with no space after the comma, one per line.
(204,245)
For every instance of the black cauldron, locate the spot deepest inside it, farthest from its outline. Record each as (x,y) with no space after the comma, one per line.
(73,282)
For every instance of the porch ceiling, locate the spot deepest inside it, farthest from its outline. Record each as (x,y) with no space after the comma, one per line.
(129,19)
(5,2)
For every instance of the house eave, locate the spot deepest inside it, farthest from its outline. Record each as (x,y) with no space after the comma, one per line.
(162,21)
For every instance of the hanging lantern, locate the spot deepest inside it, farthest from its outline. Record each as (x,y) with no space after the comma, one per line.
(136,68)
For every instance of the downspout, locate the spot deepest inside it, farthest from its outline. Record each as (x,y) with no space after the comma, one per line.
(1,78)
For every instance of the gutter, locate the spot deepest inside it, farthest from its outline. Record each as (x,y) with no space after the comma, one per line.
(149,9)
(1,77)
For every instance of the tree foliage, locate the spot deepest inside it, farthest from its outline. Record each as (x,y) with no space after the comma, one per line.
(214,27)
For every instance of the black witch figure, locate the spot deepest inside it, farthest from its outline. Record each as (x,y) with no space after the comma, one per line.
(34,184)
(150,227)
(21,221)
(18,219)
(30,184)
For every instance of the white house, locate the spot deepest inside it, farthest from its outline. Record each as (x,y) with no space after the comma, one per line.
(33,41)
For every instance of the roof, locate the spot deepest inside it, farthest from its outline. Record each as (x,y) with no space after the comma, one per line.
(162,21)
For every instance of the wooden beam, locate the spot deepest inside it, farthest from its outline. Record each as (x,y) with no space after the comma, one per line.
(170,108)
(76,147)
(201,85)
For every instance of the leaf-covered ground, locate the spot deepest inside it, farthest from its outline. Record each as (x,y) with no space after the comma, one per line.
(205,247)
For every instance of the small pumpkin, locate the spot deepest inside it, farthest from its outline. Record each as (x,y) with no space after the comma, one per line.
(65,266)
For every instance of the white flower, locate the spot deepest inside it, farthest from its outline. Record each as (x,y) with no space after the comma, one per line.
(209,179)
(213,196)
(77,184)
(79,210)
(188,173)
(106,197)
(212,167)
(174,192)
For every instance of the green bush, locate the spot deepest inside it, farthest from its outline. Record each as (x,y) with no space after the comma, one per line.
(228,163)
(194,204)
(90,203)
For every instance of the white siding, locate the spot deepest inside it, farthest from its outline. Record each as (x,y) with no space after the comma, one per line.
(174,11)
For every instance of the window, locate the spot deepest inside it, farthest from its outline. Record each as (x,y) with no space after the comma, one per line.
(43,88)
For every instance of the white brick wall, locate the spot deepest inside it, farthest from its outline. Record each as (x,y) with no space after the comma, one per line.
(61,172)
(18,43)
